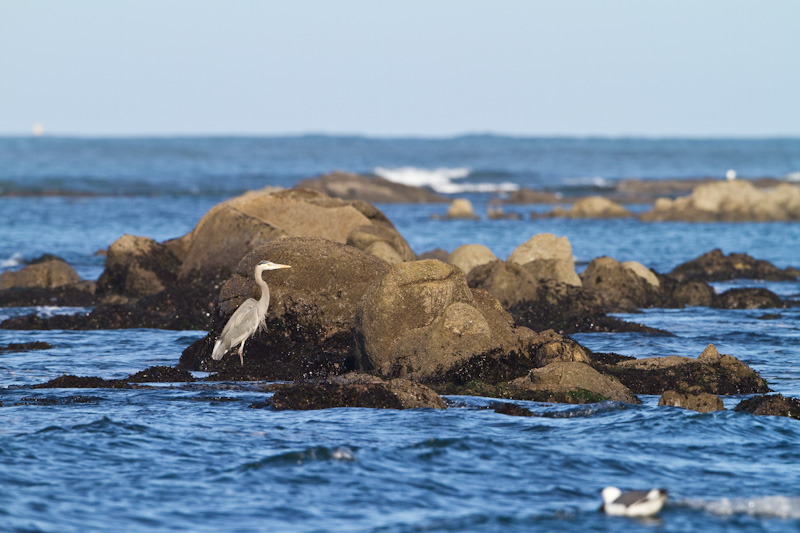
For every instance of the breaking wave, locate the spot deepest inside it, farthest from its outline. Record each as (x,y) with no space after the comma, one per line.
(441,180)
(785,507)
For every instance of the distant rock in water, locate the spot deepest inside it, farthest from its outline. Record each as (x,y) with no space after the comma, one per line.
(460,208)
(702,403)
(774,405)
(590,207)
(716,266)
(373,189)
(729,201)
(51,273)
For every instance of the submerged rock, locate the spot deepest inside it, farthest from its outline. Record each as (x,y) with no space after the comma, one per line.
(702,403)
(356,390)
(748,298)
(26,346)
(153,374)
(772,405)
(592,207)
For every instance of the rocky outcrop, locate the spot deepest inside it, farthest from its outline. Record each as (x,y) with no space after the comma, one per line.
(547,257)
(373,189)
(771,405)
(153,374)
(710,373)
(136,267)
(591,207)
(529,196)
(47,274)
(748,298)
(621,288)
(702,403)
(231,229)
(423,321)
(737,200)
(573,382)
(716,266)
(469,256)
(356,390)
(508,282)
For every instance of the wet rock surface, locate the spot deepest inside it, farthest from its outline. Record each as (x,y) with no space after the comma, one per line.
(574,381)
(25,346)
(710,373)
(356,390)
(154,374)
(771,405)
(702,403)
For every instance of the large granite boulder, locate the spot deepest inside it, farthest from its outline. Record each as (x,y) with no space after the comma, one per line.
(737,200)
(620,287)
(508,282)
(233,228)
(422,321)
(551,257)
(373,189)
(716,266)
(469,256)
(48,274)
(573,382)
(136,267)
(321,290)
(711,372)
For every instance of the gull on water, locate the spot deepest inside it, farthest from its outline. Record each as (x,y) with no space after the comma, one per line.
(640,503)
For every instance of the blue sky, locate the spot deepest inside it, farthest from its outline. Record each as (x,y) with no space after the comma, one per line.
(389,68)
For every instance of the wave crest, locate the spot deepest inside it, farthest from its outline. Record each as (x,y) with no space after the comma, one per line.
(441,180)
(785,507)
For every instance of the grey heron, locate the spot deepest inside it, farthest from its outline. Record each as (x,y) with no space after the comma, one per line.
(247,319)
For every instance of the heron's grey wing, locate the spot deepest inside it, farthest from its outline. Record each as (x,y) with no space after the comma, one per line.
(630,498)
(243,322)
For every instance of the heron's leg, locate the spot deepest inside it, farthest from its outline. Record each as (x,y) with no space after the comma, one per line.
(241,350)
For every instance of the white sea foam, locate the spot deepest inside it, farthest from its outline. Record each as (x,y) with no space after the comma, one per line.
(793,176)
(591,181)
(441,180)
(47,311)
(14,260)
(785,507)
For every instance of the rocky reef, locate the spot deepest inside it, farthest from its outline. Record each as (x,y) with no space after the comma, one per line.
(359,320)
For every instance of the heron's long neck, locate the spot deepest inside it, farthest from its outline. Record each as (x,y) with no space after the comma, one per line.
(263,285)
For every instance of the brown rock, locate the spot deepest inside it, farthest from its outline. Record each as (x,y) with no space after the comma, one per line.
(469,256)
(422,321)
(461,208)
(716,266)
(578,379)
(372,189)
(771,405)
(508,282)
(619,287)
(233,228)
(48,275)
(356,390)
(136,267)
(702,403)
(547,246)
(711,372)
(595,207)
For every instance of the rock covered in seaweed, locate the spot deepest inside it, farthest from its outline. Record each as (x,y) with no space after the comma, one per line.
(772,405)
(703,402)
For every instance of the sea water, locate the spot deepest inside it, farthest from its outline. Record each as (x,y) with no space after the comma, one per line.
(198,458)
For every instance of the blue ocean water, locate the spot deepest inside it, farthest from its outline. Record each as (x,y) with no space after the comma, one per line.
(198,458)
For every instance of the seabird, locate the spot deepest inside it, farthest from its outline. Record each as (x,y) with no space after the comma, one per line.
(634,503)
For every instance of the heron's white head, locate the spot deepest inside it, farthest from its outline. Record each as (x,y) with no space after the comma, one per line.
(610,494)
(269,265)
